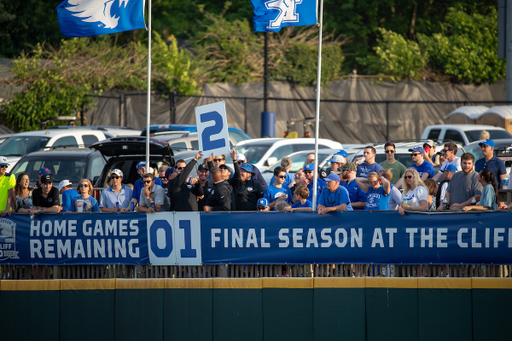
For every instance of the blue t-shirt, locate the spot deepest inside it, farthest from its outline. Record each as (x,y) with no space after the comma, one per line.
(376,199)
(338,197)
(363,169)
(67,196)
(138,185)
(488,198)
(289,179)
(425,167)
(306,204)
(319,186)
(495,165)
(90,204)
(272,194)
(355,192)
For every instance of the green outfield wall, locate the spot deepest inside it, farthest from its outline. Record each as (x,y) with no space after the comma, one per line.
(422,309)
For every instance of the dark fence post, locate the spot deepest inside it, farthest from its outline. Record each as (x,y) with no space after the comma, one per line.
(245,115)
(387,120)
(121,101)
(172,107)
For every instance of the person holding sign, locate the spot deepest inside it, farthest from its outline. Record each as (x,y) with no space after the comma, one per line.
(184,194)
(246,190)
(220,196)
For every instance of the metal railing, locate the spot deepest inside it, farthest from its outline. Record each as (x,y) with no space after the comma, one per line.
(33,272)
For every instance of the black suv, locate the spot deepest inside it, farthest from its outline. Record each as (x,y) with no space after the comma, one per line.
(125,152)
(72,164)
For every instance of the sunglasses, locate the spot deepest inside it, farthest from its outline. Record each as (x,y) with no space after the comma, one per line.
(261,208)
(180,168)
(285,165)
(3,166)
(308,172)
(218,160)
(415,154)
(162,177)
(147,181)
(282,176)
(115,177)
(240,162)
(408,177)
(389,151)
(83,185)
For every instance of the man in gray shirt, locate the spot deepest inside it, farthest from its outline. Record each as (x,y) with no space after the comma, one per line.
(152,193)
(463,186)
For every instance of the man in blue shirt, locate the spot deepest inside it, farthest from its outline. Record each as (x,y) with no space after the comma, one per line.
(356,194)
(286,162)
(334,197)
(278,192)
(68,193)
(425,169)
(369,165)
(308,173)
(116,198)
(491,162)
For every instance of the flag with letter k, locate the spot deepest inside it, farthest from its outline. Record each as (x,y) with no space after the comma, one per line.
(271,15)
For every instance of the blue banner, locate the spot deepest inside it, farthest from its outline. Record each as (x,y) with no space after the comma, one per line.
(71,239)
(357,238)
(86,18)
(271,15)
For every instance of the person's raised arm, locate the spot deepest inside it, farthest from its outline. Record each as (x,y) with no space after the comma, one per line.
(386,185)
(363,184)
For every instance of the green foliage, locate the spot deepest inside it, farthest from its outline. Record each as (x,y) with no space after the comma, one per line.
(466,48)
(300,63)
(396,57)
(59,82)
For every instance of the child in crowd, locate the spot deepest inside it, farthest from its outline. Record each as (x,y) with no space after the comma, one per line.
(300,199)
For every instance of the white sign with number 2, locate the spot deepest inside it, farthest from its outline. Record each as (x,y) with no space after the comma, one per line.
(212,129)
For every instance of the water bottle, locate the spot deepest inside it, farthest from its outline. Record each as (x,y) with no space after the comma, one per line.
(117,206)
(153,206)
(131,206)
(31,215)
(473,201)
(504,183)
(445,204)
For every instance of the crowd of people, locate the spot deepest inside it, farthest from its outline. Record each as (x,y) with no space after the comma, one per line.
(460,184)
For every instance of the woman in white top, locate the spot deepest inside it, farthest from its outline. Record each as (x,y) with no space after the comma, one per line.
(415,194)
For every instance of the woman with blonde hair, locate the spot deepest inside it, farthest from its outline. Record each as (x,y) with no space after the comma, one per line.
(89,203)
(415,194)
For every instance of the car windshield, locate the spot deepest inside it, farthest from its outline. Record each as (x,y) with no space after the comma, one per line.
(298,161)
(253,152)
(22,145)
(474,135)
(68,168)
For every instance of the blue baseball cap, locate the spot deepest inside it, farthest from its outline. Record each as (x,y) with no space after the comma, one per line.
(417,149)
(169,171)
(332,177)
(342,153)
(487,142)
(141,164)
(263,202)
(309,167)
(44,171)
(450,168)
(247,167)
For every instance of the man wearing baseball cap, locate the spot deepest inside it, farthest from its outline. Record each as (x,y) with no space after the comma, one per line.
(41,172)
(309,169)
(334,197)
(46,198)
(430,152)
(491,162)
(68,193)
(138,185)
(7,184)
(202,176)
(246,190)
(241,159)
(425,169)
(116,198)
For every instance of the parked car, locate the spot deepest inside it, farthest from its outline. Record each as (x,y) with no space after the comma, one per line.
(125,152)
(22,144)
(183,141)
(109,131)
(72,164)
(235,135)
(299,158)
(265,152)
(462,133)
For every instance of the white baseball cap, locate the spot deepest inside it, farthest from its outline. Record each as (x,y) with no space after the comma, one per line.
(3,161)
(63,184)
(150,170)
(117,172)
(240,157)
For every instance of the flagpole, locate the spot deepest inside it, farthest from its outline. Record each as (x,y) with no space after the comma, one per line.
(317,116)
(148,111)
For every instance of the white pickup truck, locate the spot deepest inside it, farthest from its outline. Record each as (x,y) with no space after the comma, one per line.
(462,133)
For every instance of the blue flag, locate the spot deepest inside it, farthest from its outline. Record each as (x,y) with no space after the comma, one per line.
(86,18)
(271,15)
